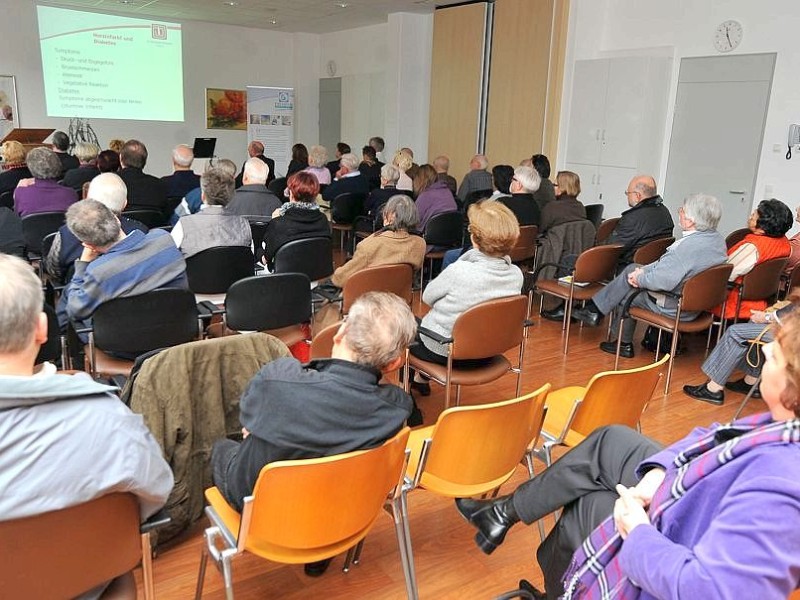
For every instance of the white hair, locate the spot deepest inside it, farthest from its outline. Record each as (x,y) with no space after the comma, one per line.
(182,155)
(528,178)
(256,170)
(350,161)
(110,190)
(482,161)
(21,301)
(705,210)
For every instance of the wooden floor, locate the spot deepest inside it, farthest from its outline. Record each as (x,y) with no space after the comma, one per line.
(448,563)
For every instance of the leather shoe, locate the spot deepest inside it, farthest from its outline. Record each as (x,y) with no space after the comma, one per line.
(492,518)
(424,389)
(315,569)
(587,316)
(556,314)
(701,392)
(740,386)
(625,349)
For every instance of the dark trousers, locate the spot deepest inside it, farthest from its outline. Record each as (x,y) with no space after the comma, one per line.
(583,482)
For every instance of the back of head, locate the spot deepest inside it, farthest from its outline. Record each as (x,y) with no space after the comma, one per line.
(44,164)
(377,143)
(774,217)
(369,154)
(479,161)
(13,152)
(226,165)
(390,173)
(61,141)
(108,161)
(502,176)
(408,151)
(441,163)
(424,178)
(109,189)
(493,227)
(317,156)
(402,160)
(255,148)
(182,156)
(93,223)
(217,186)
(86,152)
(528,178)
(379,328)
(350,161)
(300,153)
(646,186)
(256,171)
(404,209)
(705,210)
(343,148)
(542,165)
(116,145)
(133,154)
(303,187)
(21,300)
(568,183)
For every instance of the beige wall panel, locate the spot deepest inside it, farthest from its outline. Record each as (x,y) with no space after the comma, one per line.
(455,84)
(556,87)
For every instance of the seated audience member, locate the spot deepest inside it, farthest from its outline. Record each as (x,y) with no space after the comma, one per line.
(481,274)
(370,167)
(212,226)
(145,192)
(546,192)
(108,161)
(566,207)
(108,189)
(348,180)
(705,517)
(333,166)
(14,167)
(646,220)
(412,170)
(794,241)
(253,198)
(317,158)
(12,241)
(297,219)
(378,143)
(255,149)
(700,248)
(348,409)
(66,438)
(183,180)
(115,265)
(477,179)
(525,182)
(115,145)
(44,194)
(735,350)
(192,202)
(433,196)
(442,165)
(377,198)
(87,170)
(60,146)
(392,245)
(502,175)
(299,160)
(768,225)
(403,161)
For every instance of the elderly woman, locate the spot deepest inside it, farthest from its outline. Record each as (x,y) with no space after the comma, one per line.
(86,153)
(566,207)
(317,159)
(710,516)
(44,194)
(403,161)
(299,160)
(433,195)
(392,245)
(14,167)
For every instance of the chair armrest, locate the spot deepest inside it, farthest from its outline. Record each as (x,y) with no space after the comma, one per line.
(626,308)
(155,521)
(550,264)
(206,309)
(330,292)
(436,337)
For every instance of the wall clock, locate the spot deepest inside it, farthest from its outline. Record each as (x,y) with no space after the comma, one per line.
(728,35)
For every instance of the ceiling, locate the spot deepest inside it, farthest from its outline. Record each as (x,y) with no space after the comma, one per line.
(308,16)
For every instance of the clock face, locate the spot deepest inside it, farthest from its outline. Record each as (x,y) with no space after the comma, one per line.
(728,36)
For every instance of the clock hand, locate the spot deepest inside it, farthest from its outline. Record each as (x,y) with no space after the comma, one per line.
(728,35)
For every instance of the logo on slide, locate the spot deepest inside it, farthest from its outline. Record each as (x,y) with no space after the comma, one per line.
(283,97)
(159,32)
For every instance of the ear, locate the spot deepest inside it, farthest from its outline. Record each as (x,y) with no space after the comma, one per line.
(40,335)
(395,364)
(338,337)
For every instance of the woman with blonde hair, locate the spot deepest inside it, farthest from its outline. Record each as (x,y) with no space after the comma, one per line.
(403,161)
(14,167)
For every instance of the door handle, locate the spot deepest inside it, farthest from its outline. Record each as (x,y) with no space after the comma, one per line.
(597,135)
(742,192)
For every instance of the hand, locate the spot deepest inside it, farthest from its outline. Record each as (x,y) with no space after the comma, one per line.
(646,488)
(758,316)
(26,182)
(628,512)
(633,277)
(89,254)
(245,433)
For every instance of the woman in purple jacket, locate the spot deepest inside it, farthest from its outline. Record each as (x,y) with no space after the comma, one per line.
(711,516)
(433,197)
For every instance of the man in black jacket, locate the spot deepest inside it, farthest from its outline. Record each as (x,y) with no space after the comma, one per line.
(145,192)
(256,150)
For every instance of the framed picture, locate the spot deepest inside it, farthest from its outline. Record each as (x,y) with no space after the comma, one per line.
(9,119)
(226,109)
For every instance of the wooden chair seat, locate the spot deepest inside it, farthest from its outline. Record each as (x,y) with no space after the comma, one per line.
(497,366)
(561,290)
(701,323)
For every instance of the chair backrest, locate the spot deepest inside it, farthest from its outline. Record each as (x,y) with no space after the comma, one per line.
(277,186)
(490,328)
(445,229)
(258,227)
(762,281)
(313,504)
(7,200)
(64,553)
(526,244)
(37,226)
(736,236)
(346,207)
(605,228)
(322,342)
(147,217)
(617,397)
(475,449)
(137,324)
(396,279)
(265,302)
(597,263)
(652,251)
(793,280)
(311,256)
(214,270)
(707,289)
(51,349)
(594,212)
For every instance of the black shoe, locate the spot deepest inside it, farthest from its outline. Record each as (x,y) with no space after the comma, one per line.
(740,386)
(526,591)
(415,419)
(492,518)
(315,569)
(587,316)
(625,349)
(701,392)
(556,314)
(424,389)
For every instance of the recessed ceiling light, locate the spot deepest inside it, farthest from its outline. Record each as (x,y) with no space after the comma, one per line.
(127,2)
(273,21)
(231,3)
(342,4)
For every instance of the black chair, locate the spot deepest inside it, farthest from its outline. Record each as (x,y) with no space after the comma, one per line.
(474,197)
(345,209)
(7,200)
(277,186)
(214,270)
(36,227)
(268,302)
(445,232)
(594,212)
(311,256)
(258,228)
(147,217)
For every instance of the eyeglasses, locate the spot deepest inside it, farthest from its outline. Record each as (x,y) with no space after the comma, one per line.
(627,193)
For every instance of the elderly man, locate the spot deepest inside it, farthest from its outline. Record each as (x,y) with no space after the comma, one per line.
(183,180)
(255,149)
(60,146)
(346,410)
(477,179)
(348,179)
(700,248)
(44,194)
(145,192)
(646,220)
(442,165)
(333,166)
(253,198)
(86,153)
(66,438)
(525,183)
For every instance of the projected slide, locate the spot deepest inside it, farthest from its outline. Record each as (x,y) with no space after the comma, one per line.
(104,66)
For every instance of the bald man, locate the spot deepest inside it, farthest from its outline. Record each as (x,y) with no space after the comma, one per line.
(477,179)
(255,149)
(183,180)
(646,220)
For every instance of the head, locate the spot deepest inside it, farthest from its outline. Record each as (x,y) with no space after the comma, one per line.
(303,187)
(640,188)
(501,178)
(526,162)
(182,157)
(109,189)
(94,224)
(378,329)
(400,213)
(43,163)
(134,154)
(23,325)
(568,183)
(424,178)
(772,218)
(408,151)
(390,174)
(526,180)
(342,149)
(700,212)
(217,187)
(402,160)
(300,153)
(317,156)
(441,163)
(542,165)
(60,141)
(226,165)
(780,376)
(255,149)
(108,161)
(13,152)
(86,152)
(377,143)
(369,155)
(116,145)
(479,162)
(348,163)
(256,171)
(493,228)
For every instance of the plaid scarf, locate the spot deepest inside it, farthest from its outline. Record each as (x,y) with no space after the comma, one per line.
(595,572)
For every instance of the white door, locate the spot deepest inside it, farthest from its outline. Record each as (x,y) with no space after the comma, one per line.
(587,113)
(717,132)
(627,80)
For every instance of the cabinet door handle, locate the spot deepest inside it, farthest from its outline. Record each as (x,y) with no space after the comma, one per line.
(597,135)
(603,135)
(743,192)
(593,178)
(598,178)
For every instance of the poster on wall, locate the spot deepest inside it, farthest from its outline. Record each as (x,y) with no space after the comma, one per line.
(270,120)
(8,105)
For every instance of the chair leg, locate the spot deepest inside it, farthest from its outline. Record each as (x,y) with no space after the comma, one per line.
(399,509)
(147,568)
(619,344)
(565,326)
(357,553)
(348,560)
(747,398)
(201,576)
(227,575)
(458,395)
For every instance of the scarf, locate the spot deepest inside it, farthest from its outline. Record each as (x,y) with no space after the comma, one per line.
(595,572)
